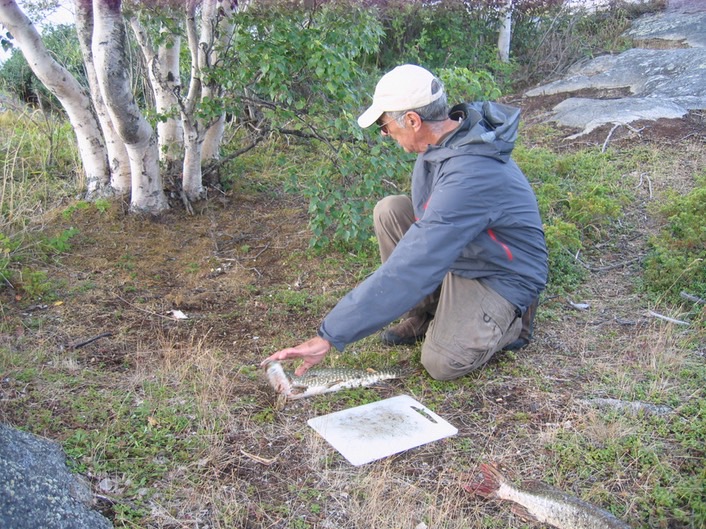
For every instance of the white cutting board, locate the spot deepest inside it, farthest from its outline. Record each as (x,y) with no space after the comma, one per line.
(373,431)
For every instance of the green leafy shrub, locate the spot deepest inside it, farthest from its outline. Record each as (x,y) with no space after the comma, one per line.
(342,197)
(17,77)
(462,84)
(77,206)
(579,197)
(60,243)
(563,242)
(677,260)
(442,35)
(295,65)
(36,284)
(102,204)
(309,87)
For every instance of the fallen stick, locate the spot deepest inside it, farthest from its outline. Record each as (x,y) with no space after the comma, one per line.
(629,406)
(695,299)
(258,459)
(91,340)
(605,143)
(667,318)
(649,183)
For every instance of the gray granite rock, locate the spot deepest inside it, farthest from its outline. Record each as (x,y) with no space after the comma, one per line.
(37,490)
(668,82)
(681,24)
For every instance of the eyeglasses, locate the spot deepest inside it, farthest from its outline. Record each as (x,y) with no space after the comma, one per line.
(383,126)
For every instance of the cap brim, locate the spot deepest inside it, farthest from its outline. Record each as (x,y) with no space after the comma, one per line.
(370,116)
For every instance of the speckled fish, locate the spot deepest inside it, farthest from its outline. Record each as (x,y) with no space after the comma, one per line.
(324,380)
(542,502)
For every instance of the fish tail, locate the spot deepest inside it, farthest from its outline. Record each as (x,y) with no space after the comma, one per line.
(486,482)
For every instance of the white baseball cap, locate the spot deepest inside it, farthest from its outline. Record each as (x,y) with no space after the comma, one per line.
(404,88)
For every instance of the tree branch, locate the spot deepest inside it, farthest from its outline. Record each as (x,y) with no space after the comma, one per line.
(233,155)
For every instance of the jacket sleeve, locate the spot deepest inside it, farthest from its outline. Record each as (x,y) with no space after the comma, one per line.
(454,215)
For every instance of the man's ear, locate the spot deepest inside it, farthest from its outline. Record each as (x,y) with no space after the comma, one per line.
(413,120)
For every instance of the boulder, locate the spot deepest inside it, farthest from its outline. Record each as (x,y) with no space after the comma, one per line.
(37,490)
(668,82)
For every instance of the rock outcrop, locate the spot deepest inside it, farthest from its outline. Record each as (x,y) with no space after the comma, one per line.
(37,490)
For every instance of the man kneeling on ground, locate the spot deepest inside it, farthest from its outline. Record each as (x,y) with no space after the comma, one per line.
(465,256)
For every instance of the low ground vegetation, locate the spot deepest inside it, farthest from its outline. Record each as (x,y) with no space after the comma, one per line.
(174,425)
(171,419)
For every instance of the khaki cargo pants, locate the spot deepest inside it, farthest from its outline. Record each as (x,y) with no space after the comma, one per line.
(471,321)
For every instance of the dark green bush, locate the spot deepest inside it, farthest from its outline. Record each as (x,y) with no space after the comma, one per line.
(451,34)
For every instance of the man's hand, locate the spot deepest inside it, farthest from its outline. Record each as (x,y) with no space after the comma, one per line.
(311,352)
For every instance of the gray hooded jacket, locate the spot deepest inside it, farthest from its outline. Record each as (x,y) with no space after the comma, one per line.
(477,217)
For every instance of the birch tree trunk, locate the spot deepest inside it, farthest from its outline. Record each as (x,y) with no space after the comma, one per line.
(203,136)
(118,161)
(217,30)
(192,180)
(67,90)
(163,71)
(109,53)
(505,35)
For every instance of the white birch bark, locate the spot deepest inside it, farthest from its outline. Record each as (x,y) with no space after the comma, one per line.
(67,90)
(118,161)
(217,30)
(163,72)
(505,35)
(192,180)
(109,54)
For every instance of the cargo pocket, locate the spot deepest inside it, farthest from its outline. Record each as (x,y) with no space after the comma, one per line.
(489,330)
(499,314)
(472,337)
(471,322)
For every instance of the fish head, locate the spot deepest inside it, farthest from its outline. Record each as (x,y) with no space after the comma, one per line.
(278,378)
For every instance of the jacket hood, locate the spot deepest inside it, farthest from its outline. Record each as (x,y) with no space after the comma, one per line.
(487,129)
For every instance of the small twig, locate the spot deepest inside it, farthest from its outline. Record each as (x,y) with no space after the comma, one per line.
(667,318)
(260,252)
(605,143)
(259,274)
(649,182)
(258,459)
(170,318)
(90,340)
(602,268)
(613,266)
(207,171)
(690,297)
